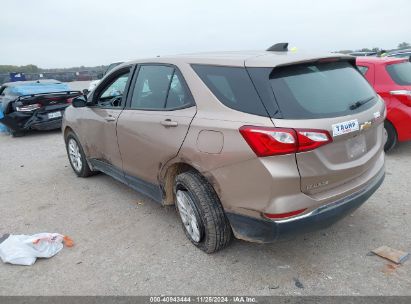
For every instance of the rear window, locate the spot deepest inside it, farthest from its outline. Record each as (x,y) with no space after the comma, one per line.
(317,90)
(400,73)
(233,87)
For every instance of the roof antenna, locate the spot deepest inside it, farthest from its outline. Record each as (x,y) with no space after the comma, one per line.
(279,47)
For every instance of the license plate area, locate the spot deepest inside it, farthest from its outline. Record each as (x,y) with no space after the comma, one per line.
(356,146)
(54,114)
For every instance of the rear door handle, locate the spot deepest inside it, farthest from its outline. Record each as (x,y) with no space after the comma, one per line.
(110,118)
(169,123)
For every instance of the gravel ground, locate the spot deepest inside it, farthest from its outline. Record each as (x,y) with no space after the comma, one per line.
(126,244)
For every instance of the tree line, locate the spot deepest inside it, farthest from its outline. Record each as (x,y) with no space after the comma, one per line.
(31,68)
(401,46)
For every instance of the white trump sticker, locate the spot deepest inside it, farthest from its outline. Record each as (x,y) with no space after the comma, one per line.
(345,127)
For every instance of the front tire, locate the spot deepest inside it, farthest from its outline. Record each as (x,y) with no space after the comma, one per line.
(392,137)
(76,156)
(202,215)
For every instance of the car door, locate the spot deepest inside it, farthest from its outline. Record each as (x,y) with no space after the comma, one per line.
(98,123)
(154,124)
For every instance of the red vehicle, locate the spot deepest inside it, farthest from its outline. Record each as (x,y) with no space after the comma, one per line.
(391,79)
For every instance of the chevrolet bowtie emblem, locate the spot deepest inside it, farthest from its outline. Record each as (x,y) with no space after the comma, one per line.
(366,125)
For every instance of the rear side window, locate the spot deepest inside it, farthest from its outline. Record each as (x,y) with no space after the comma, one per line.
(363,69)
(400,73)
(233,87)
(317,90)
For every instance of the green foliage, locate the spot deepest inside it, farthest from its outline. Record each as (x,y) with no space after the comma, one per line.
(30,68)
(404,45)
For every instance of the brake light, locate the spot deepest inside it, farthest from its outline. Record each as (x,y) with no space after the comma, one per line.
(28,108)
(279,141)
(284,215)
(403,95)
(312,139)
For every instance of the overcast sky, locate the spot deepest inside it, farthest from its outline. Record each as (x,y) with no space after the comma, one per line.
(58,33)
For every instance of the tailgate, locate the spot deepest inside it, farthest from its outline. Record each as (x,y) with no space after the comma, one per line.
(332,96)
(347,157)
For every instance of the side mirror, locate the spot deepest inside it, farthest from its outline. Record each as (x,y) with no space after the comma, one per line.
(79,102)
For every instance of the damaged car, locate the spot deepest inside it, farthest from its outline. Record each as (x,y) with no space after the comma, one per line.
(34,105)
(256,145)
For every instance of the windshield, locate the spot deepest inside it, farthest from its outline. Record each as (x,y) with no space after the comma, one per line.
(400,73)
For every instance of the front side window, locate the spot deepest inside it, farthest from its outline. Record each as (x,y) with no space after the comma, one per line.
(159,87)
(111,95)
(400,73)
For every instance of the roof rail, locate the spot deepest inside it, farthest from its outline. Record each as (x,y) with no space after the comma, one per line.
(278,47)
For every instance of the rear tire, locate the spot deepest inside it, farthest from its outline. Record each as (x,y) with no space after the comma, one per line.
(76,156)
(207,226)
(392,137)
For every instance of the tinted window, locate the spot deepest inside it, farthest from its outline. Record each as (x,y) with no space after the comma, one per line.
(400,73)
(178,95)
(363,69)
(233,87)
(112,94)
(318,90)
(151,88)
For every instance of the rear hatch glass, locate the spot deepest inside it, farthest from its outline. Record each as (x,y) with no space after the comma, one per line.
(315,90)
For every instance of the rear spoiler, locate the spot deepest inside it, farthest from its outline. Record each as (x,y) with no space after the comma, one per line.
(36,97)
(350,59)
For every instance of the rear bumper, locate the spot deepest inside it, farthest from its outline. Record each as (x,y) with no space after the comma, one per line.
(47,125)
(18,121)
(266,231)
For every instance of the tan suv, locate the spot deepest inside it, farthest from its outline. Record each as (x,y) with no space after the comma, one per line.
(256,144)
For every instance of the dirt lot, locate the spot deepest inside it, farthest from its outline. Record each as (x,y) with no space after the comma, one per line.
(126,244)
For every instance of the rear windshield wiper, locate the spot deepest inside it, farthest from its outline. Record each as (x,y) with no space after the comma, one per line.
(360,103)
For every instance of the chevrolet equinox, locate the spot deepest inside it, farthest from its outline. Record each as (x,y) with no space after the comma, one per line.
(259,145)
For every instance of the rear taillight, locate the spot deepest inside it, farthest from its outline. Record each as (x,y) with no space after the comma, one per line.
(403,95)
(279,141)
(28,108)
(312,139)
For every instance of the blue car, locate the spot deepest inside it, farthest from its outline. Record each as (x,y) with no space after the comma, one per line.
(34,105)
